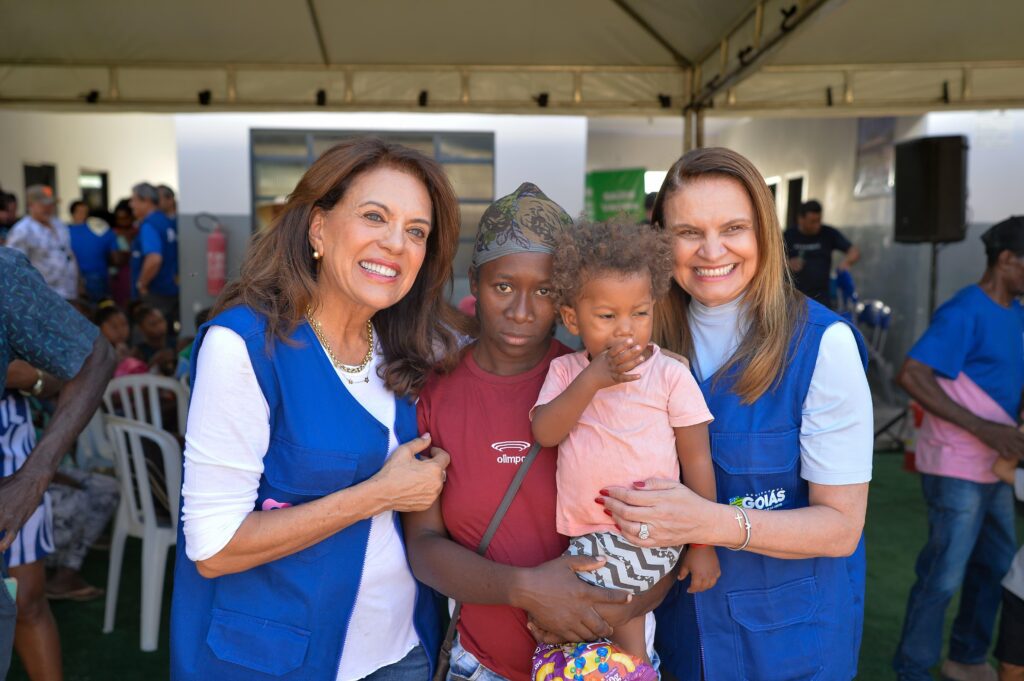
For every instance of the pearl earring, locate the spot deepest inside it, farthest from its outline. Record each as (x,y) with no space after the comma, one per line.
(316,254)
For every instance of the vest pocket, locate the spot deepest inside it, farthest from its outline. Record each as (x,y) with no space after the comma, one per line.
(756,453)
(776,635)
(306,471)
(255,643)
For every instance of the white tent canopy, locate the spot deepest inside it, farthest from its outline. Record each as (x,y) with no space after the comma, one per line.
(555,56)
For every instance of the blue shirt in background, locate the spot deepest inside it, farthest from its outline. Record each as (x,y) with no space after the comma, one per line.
(93,252)
(157,234)
(973,334)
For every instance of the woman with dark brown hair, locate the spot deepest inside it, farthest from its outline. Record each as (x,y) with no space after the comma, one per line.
(290,562)
(791,443)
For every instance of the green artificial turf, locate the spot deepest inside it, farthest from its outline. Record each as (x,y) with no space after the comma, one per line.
(896,530)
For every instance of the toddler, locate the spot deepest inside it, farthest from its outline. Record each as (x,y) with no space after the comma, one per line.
(621,410)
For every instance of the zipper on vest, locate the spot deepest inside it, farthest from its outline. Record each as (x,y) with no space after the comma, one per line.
(348,620)
(700,633)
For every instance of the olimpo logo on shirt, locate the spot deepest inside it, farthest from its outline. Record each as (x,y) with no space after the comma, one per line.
(762,501)
(514,446)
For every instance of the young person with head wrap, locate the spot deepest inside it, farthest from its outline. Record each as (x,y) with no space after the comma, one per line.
(479,413)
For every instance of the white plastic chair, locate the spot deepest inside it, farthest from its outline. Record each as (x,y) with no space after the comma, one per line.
(138,398)
(136,517)
(92,449)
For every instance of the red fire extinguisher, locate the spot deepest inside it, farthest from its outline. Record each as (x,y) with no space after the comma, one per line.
(216,253)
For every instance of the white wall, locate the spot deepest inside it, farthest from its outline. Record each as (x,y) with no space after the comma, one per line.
(634,142)
(824,150)
(213,151)
(129,147)
(995,162)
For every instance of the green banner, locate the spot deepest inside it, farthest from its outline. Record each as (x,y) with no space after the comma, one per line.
(611,193)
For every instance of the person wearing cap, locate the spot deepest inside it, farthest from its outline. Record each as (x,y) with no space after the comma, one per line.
(967,371)
(47,242)
(480,414)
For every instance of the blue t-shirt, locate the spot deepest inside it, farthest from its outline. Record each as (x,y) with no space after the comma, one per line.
(973,334)
(92,252)
(157,234)
(36,324)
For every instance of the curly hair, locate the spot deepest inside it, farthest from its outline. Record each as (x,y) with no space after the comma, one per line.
(614,247)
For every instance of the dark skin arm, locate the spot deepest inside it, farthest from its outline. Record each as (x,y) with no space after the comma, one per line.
(694,450)
(615,615)
(22,376)
(150,268)
(558,600)
(918,380)
(78,401)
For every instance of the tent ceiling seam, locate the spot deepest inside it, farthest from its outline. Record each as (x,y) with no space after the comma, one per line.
(319,34)
(650,31)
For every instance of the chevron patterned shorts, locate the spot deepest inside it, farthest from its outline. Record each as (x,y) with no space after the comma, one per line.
(630,568)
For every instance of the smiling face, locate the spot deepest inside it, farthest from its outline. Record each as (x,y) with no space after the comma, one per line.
(374,240)
(716,249)
(612,307)
(516,311)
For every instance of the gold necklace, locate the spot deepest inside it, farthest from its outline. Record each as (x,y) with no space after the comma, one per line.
(347,368)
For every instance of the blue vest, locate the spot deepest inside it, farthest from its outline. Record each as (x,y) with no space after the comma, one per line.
(287,619)
(767,619)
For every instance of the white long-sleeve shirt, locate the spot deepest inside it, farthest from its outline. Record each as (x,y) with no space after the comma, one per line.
(227,437)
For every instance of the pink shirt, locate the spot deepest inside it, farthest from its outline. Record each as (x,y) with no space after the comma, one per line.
(948,450)
(625,434)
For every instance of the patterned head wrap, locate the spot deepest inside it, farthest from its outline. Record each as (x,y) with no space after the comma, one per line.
(525,221)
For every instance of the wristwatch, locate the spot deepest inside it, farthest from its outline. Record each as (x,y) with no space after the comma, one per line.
(37,388)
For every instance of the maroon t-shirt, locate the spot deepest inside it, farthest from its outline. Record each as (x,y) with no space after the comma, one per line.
(483,422)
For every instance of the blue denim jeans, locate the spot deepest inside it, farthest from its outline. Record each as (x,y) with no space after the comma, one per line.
(971,542)
(8,614)
(465,666)
(413,667)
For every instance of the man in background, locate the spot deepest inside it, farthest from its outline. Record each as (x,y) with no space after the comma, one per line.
(809,248)
(154,260)
(96,249)
(168,203)
(967,371)
(46,241)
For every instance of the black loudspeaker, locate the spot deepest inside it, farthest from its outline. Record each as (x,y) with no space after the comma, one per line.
(931,190)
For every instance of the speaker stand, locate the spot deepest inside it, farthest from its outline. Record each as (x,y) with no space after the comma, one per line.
(933,279)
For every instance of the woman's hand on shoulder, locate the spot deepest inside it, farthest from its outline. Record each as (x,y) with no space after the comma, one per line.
(410,479)
(562,606)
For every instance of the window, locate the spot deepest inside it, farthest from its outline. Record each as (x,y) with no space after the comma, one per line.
(92,187)
(794,197)
(280,157)
(43,173)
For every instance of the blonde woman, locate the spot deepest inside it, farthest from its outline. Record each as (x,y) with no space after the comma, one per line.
(791,443)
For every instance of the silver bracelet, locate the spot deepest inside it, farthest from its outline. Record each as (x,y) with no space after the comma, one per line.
(744,521)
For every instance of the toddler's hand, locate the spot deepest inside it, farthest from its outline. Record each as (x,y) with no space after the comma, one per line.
(701,564)
(613,365)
